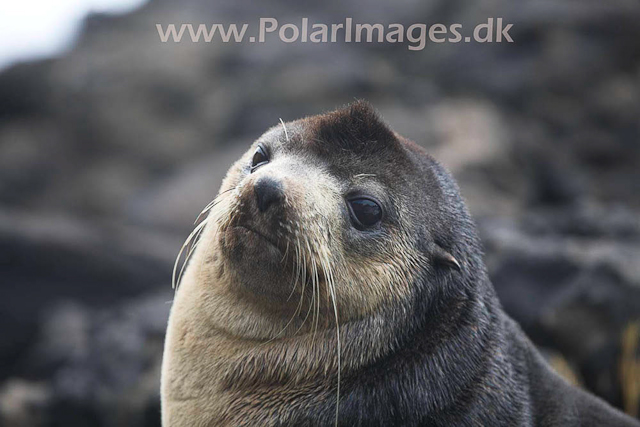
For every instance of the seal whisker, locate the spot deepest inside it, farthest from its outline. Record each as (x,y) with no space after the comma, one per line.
(295,313)
(286,252)
(329,280)
(300,302)
(316,289)
(194,245)
(196,231)
(195,234)
(207,208)
(212,203)
(286,134)
(314,301)
(302,263)
(295,279)
(365,175)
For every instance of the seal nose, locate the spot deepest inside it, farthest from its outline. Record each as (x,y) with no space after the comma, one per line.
(268,192)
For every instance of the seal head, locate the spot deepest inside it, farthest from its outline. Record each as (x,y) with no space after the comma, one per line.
(334,198)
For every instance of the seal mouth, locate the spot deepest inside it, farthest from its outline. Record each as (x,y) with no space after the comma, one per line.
(262,236)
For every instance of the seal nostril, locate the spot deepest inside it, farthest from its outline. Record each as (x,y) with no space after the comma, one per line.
(268,191)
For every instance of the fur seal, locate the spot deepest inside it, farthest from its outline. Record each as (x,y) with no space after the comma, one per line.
(338,279)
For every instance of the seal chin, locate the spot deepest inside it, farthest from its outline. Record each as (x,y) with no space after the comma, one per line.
(256,260)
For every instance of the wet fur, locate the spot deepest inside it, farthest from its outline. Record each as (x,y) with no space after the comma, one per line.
(422,343)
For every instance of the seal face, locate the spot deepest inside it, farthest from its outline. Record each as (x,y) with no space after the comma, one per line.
(311,203)
(337,279)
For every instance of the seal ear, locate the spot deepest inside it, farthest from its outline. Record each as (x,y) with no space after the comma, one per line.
(443,257)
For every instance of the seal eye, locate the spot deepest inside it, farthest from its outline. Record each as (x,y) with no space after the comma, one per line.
(259,158)
(365,212)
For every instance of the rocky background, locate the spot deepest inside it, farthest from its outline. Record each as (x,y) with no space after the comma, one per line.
(108,153)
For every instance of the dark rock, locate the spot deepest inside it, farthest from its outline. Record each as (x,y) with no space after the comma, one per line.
(570,293)
(50,259)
